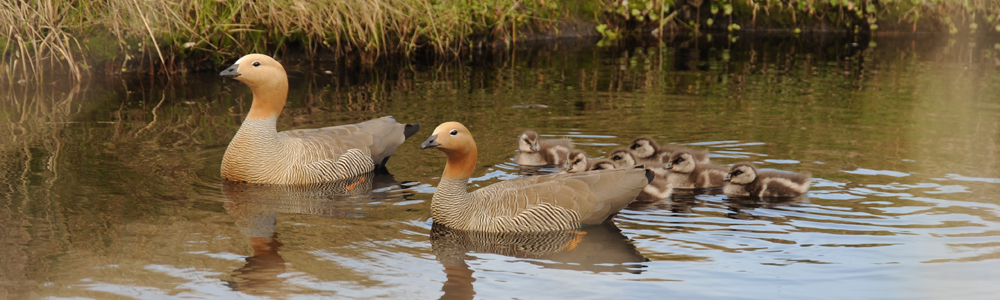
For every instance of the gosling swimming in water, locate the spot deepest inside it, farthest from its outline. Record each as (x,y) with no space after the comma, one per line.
(645,150)
(535,152)
(686,173)
(744,180)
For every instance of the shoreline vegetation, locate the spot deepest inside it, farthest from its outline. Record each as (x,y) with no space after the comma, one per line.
(44,40)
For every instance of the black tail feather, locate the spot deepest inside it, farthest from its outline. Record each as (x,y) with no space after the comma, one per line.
(649,173)
(411,129)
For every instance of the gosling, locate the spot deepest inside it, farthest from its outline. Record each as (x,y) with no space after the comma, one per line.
(576,163)
(744,180)
(535,152)
(601,164)
(622,158)
(646,150)
(685,172)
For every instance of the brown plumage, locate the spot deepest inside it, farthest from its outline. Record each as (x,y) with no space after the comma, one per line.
(525,204)
(646,150)
(684,172)
(260,154)
(536,152)
(744,180)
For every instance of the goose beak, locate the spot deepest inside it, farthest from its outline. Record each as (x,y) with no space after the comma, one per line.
(431,142)
(231,71)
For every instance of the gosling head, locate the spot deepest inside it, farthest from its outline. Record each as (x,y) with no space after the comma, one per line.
(742,174)
(622,159)
(528,142)
(603,164)
(577,162)
(643,147)
(681,162)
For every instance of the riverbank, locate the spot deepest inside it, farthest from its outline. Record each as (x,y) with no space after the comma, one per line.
(45,39)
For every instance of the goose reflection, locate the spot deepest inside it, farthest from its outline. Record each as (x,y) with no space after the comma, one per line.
(594,249)
(258,206)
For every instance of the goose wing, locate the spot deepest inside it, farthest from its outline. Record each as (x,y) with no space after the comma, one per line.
(592,196)
(377,138)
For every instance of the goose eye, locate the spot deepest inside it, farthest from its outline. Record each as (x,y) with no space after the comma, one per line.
(256,64)
(454,132)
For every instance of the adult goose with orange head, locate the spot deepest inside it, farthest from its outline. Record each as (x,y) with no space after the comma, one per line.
(259,153)
(524,204)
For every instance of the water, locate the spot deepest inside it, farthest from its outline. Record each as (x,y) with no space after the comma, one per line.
(111,189)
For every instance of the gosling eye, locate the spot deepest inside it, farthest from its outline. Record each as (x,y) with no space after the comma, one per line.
(737,173)
(454,132)
(616,158)
(256,64)
(679,160)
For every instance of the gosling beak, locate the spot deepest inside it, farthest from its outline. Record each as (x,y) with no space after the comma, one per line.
(726,179)
(534,147)
(670,166)
(231,71)
(431,142)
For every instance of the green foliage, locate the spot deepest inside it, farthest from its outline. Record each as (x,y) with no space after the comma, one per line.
(640,16)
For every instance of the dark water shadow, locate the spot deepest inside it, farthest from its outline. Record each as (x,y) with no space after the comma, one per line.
(595,249)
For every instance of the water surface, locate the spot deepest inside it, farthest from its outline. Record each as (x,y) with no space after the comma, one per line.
(111,189)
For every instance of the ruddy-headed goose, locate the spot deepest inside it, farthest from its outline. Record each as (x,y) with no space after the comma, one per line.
(524,204)
(259,153)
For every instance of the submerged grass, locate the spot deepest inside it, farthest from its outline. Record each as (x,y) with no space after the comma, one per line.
(74,38)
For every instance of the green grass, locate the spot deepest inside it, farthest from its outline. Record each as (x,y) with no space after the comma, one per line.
(40,40)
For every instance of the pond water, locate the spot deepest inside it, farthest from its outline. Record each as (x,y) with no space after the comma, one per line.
(111,189)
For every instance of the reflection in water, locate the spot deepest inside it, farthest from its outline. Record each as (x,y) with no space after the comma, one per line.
(257,208)
(743,208)
(594,249)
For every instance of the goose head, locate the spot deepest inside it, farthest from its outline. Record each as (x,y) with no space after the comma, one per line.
(528,142)
(268,81)
(742,173)
(681,162)
(459,147)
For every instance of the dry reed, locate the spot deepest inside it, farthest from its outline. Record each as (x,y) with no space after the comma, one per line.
(73,38)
